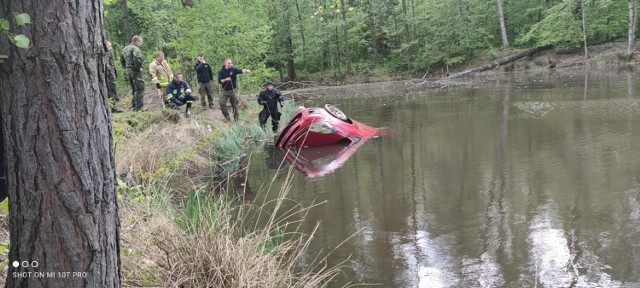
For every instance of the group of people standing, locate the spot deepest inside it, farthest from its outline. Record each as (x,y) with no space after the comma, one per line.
(174,91)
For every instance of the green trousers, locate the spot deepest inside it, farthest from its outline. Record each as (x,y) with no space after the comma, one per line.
(136,79)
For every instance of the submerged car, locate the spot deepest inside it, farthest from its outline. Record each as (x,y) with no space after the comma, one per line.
(315,126)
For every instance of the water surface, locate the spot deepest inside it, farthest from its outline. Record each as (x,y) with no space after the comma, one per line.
(530,180)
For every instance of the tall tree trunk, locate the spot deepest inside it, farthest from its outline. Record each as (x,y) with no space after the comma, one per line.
(323,40)
(304,43)
(337,41)
(632,28)
(413,21)
(407,34)
(125,21)
(3,168)
(503,28)
(374,40)
(584,31)
(381,23)
(347,56)
(288,44)
(58,147)
(395,19)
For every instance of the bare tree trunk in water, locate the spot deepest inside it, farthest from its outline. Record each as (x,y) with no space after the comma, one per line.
(632,28)
(584,31)
(125,20)
(503,28)
(58,145)
(347,53)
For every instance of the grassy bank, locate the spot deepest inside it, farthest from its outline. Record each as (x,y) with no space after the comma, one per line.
(177,231)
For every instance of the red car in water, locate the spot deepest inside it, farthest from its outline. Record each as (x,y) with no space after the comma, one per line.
(315,126)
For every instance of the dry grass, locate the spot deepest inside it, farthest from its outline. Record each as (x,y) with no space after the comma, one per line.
(148,152)
(205,241)
(209,242)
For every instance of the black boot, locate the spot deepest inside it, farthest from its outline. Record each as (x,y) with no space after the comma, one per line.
(274,127)
(188,108)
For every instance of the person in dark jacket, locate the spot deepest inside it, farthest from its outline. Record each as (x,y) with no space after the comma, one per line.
(179,93)
(205,78)
(227,79)
(269,99)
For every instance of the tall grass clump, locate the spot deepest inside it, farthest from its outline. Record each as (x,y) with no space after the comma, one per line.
(234,140)
(211,241)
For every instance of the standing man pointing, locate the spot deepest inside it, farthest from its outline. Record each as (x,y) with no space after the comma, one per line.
(227,79)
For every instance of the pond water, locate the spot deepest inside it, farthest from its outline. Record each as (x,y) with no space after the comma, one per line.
(525,181)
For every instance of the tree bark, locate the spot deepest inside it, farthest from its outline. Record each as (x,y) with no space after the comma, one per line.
(503,28)
(125,21)
(632,28)
(323,41)
(58,147)
(304,43)
(3,168)
(584,31)
(347,53)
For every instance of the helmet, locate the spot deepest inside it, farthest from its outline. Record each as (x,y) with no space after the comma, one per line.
(269,82)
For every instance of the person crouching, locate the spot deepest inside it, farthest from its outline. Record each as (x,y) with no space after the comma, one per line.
(269,99)
(179,93)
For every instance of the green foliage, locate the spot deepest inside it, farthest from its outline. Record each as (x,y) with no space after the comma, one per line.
(22,19)
(4,25)
(254,33)
(4,248)
(4,207)
(276,240)
(217,29)
(20,40)
(559,28)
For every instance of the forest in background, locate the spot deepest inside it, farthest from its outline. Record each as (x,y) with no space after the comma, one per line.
(294,40)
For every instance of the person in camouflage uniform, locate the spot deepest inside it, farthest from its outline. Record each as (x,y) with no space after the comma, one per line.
(111,79)
(131,59)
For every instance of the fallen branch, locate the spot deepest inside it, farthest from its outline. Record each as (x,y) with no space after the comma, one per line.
(500,62)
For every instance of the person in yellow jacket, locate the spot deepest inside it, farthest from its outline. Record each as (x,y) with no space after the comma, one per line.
(161,74)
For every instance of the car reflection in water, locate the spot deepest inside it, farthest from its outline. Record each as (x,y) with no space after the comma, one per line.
(317,141)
